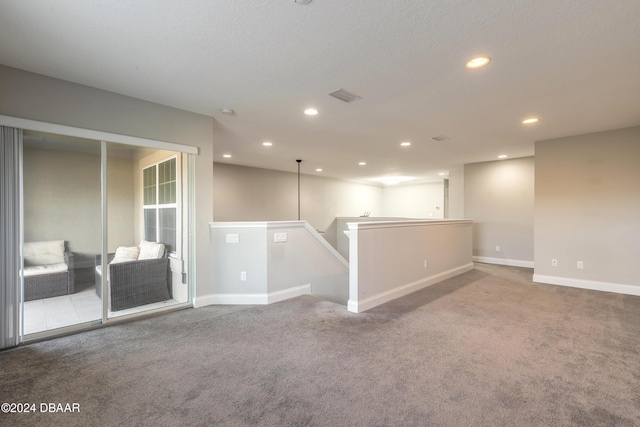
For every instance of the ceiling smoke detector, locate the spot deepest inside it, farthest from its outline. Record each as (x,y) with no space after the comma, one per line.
(345,95)
(440,138)
(227,111)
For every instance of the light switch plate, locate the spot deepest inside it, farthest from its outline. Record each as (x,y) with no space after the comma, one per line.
(280,237)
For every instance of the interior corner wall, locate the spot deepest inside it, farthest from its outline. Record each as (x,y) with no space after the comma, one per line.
(37,97)
(456,193)
(587,192)
(242,193)
(420,201)
(499,197)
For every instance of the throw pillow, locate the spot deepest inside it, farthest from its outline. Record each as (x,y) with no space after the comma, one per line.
(43,253)
(151,250)
(125,254)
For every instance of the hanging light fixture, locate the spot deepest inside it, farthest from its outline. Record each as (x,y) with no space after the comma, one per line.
(299,161)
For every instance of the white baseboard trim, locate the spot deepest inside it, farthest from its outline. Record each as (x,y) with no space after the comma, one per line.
(252,299)
(588,284)
(503,261)
(230,299)
(288,293)
(376,300)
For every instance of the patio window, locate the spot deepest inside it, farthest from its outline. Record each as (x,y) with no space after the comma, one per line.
(159,183)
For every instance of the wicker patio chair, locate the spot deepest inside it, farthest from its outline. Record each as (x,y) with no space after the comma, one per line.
(51,284)
(135,283)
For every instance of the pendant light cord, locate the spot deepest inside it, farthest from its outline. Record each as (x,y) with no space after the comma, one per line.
(299,161)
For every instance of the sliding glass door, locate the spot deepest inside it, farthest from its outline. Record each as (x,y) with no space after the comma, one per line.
(146,246)
(62,231)
(100,230)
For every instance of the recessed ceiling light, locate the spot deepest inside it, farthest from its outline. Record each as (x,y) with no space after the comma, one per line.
(405,144)
(267,144)
(226,156)
(442,173)
(318,170)
(502,156)
(478,62)
(362,163)
(531,120)
(311,111)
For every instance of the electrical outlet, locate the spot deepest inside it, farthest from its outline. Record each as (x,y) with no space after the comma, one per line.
(554,263)
(425,263)
(243,276)
(497,248)
(580,265)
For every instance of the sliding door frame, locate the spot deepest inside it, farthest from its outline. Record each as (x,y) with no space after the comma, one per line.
(11,234)
(105,138)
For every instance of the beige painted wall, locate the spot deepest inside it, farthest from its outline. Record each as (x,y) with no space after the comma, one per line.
(274,270)
(389,260)
(425,200)
(36,97)
(587,192)
(121,208)
(456,193)
(62,199)
(499,197)
(252,194)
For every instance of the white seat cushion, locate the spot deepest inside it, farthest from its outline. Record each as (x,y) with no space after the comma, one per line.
(99,271)
(35,270)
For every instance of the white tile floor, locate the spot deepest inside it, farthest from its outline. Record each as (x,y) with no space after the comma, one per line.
(84,306)
(51,313)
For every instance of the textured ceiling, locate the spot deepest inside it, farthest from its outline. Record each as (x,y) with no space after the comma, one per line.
(575,64)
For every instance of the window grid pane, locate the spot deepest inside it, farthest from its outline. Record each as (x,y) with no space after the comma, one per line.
(149,185)
(150,225)
(168,228)
(167,182)
(159,188)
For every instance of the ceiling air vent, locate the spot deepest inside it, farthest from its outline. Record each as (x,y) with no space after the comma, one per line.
(345,95)
(440,138)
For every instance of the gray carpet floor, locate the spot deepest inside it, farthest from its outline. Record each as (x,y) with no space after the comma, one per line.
(486,348)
